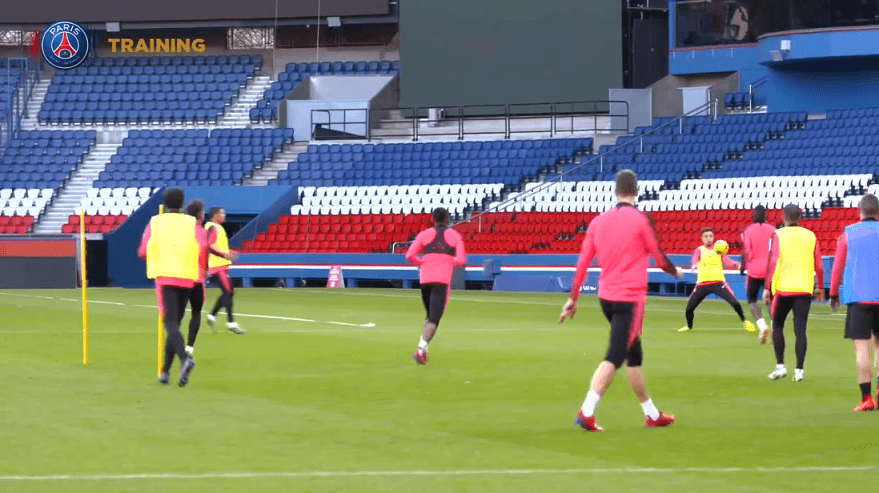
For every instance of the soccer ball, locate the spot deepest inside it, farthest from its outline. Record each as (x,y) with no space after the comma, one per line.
(721,247)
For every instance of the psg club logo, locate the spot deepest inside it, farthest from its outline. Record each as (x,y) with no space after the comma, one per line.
(65,45)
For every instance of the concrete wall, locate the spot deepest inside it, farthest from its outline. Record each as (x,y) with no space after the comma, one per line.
(352,93)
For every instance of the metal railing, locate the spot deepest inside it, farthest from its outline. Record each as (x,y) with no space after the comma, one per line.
(17,96)
(470,120)
(751,88)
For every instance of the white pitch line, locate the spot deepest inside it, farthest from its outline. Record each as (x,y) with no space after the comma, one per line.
(427,473)
(251,315)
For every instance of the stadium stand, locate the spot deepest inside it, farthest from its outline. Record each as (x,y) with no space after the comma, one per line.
(191,157)
(10,80)
(147,90)
(107,208)
(35,166)
(434,163)
(266,109)
(338,233)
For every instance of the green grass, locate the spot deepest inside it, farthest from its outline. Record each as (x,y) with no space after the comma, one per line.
(321,407)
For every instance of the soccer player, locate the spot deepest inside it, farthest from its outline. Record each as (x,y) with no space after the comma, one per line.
(856,268)
(622,238)
(441,249)
(171,246)
(794,261)
(219,268)
(711,280)
(755,256)
(196,298)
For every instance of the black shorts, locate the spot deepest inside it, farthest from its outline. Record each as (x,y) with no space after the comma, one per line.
(862,321)
(435,297)
(754,286)
(626,321)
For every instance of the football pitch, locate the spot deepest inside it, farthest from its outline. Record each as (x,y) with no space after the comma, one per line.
(322,395)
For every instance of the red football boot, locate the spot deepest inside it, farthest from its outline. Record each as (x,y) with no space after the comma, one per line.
(420,356)
(662,420)
(867,404)
(587,422)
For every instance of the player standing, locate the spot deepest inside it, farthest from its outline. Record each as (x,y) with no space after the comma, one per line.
(755,257)
(856,268)
(622,294)
(442,249)
(219,268)
(171,246)
(794,261)
(711,280)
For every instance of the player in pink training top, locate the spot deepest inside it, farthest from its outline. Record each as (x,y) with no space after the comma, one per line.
(755,259)
(443,249)
(623,239)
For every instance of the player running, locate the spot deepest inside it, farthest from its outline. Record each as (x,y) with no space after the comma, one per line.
(711,280)
(443,249)
(755,257)
(219,269)
(172,245)
(622,294)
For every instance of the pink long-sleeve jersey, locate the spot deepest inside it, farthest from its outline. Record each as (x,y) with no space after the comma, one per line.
(437,267)
(623,239)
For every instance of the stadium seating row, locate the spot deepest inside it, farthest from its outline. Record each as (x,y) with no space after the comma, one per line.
(146,91)
(456,210)
(94,222)
(520,232)
(397,164)
(15,224)
(402,190)
(112,202)
(141,192)
(170,61)
(348,233)
(41,159)
(190,157)
(21,193)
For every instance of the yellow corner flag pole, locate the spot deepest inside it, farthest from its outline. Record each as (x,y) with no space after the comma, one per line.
(161,346)
(85,306)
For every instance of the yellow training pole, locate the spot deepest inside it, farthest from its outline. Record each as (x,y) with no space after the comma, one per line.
(85,306)
(161,346)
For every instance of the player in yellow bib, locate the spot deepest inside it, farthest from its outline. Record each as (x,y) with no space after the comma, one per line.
(218,268)
(794,263)
(711,280)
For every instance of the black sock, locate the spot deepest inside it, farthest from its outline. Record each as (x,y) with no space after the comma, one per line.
(865,389)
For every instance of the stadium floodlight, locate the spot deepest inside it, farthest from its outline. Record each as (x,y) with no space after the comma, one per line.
(334,22)
(113,27)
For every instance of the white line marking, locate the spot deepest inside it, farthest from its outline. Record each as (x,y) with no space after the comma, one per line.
(153,307)
(423,473)
(707,310)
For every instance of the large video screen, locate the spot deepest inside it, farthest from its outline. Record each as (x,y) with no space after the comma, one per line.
(468,52)
(48,11)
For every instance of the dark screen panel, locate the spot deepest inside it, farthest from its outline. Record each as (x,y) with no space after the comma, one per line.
(459,52)
(48,11)
(37,272)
